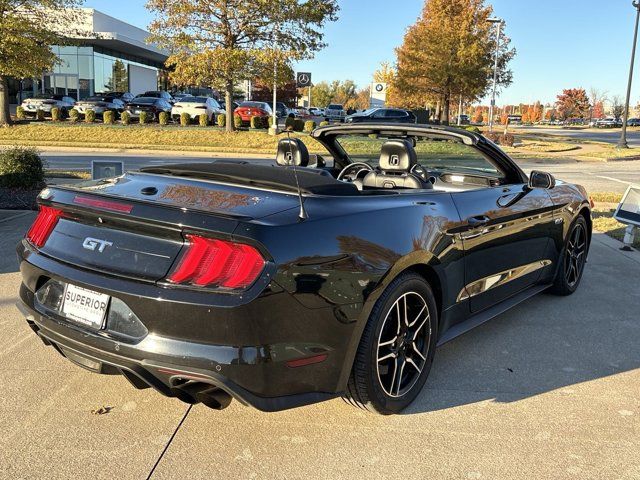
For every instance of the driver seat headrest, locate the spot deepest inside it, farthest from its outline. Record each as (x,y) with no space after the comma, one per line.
(397,156)
(292,151)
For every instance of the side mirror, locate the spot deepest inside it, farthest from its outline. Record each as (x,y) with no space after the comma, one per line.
(539,179)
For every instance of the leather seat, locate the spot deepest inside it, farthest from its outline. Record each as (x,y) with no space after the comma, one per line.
(397,159)
(293,151)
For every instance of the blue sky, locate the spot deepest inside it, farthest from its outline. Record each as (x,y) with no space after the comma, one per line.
(560,43)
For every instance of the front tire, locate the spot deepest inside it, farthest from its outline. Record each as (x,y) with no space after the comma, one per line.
(397,347)
(573,259)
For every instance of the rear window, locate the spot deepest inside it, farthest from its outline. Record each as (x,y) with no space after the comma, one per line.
(96,99)
(335,107)
(145,100)
(253,104)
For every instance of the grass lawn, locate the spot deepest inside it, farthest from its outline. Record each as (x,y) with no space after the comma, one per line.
(145,137)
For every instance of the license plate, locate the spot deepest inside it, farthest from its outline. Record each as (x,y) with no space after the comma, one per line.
(84,306)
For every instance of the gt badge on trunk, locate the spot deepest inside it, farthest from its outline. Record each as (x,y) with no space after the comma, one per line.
(95,244)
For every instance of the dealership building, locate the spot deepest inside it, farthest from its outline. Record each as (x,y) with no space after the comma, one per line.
(111,55)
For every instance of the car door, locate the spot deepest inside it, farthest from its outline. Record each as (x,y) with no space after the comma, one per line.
(379,115)
(505,240)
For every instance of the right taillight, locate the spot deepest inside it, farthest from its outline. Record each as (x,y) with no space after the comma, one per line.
(210,262)
(43,226)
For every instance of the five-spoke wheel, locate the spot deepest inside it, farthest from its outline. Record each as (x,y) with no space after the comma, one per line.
(573,258)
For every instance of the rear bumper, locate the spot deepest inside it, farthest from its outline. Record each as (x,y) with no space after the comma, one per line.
(240,350)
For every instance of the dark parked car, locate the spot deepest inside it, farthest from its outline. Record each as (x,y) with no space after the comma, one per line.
(150,105)
(633,122)
(158,94)
(281,110)
(286,285)
(100,104)
(126,97)
(386,115)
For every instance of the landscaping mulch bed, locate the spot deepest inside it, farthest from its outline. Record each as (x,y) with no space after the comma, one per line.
(18,199)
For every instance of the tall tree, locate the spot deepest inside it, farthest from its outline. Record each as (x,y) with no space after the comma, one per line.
(321,94)
(449,52)
(573,103)
(617,106)
(221,42)
(28,29)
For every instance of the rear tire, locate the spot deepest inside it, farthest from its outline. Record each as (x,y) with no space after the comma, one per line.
(572,259)
(397,347)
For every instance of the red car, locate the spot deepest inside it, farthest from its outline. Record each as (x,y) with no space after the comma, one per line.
(246,110)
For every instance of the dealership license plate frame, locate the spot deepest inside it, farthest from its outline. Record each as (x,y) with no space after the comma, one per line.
(71,312)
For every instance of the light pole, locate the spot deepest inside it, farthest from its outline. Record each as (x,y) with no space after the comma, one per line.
(623,136)
(498,22)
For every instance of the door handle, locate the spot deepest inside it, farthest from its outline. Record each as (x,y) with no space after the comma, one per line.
(478,221)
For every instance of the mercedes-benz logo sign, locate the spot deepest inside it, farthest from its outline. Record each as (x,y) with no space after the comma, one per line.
(304,79)
(379,87)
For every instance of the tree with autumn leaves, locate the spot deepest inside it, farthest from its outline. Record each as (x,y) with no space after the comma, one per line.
(573,103)
(219,43)
(448,53)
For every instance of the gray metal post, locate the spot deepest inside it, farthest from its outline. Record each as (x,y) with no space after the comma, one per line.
(622,143)
(498,21)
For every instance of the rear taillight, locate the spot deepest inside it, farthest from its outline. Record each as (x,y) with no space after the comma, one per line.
(209,262)
(200,107)
(44,225)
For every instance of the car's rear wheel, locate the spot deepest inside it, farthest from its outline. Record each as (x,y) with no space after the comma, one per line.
(573,259)
(397,347)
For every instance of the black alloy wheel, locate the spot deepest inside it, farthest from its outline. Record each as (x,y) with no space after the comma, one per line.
(573,259)
(397,347)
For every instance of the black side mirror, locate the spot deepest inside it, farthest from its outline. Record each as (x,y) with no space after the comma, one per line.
(539,179)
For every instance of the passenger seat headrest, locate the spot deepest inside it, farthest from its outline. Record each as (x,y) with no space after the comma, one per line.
(397,156)
(292,151)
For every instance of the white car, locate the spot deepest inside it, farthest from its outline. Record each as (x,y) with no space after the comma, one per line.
(335,112)
(317,112)
(46,102)
(196,106)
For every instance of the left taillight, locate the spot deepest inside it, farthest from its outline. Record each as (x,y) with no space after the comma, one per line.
(210,262)
(43,226)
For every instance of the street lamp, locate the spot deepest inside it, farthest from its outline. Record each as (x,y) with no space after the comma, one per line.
(498,22)
(623,136)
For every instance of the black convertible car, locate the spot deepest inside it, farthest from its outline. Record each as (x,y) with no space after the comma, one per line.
(328,274)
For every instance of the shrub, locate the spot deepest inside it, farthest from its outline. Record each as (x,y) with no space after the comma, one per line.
(237,121)
(324,123)
(163,118)
(90,116)
(298,125)
(20,115)
(40,115)
(309,126)
(256,122)
(203,120)
(74,115)
(289,123)
(109,117)
(145,117)
(21,168)
(125,118)
(222,120)
(185,119)
(507,139)
(56,114)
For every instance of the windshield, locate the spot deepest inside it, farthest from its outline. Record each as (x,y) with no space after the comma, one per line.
(335,107)
(434,153)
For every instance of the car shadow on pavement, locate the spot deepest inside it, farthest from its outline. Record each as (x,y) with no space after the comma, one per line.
(546,344)
(13,226)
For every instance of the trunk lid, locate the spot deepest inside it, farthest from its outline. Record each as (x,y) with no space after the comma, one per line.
(133,225)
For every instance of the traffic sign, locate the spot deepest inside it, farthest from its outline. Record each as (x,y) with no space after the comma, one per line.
(303,79)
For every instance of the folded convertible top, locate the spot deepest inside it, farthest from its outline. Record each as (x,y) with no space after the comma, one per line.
(311,181)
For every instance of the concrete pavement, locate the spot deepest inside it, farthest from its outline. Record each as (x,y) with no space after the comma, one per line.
(548,390)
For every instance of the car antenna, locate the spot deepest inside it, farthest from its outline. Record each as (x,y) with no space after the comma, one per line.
(303,213)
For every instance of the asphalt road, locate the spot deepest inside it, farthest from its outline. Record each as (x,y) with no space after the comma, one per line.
(548,390)
(592,134)
(595,176)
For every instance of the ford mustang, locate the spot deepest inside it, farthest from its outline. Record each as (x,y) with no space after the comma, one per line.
(332,273)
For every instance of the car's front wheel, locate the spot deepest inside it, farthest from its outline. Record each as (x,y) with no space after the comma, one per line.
(397,347)
(573,259)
